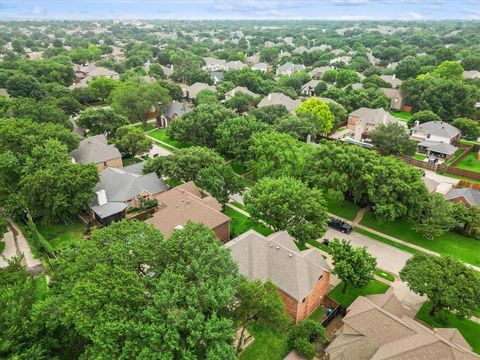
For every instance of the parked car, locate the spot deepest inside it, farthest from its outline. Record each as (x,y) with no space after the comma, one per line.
(340,225)
(325,242)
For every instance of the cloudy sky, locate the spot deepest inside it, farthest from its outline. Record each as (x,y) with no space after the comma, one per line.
(241,9)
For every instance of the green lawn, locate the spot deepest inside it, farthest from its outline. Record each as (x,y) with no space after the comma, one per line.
(320,246)
(455,156)
(387,241)
(238,205)
(470,162)
(468,142)
(373,287)
(402,115)
(458,246)
(268,345)
(240,223)
(41,287)
(343,208)
(385,274)
(161,134)
(460,178)
(146,128)
(318,314)
(420,157)
(130,161)
(60,235)
(468,328)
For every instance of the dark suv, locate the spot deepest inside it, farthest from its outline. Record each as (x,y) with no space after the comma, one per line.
(340,225)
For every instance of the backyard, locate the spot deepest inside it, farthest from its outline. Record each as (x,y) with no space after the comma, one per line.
(240,223)
(470,162)
(373,287)
(458,246)
(161,134)
(468,328)
(343,208)
(402,115)
(61,235)
(268,345)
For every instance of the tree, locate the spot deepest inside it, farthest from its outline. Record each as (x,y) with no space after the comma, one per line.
(199,125)
(298,127)
(132,141)
(206,96)
(101,121)
(320,112)
(234,136)
(449,70)
(22,85)
(407,68)
(241,102)
(329,76)
(346,77)
(270,114)
(392,139)
(269,54)
(320,88)
(220,181)
(176,293)
(155,70)
(304,334)
(261,303)
(339,112)
(422,117)
(354,266)
(448,283)
(101,87)
(439,218)
(288,204)
(136,101)
(469,128)
(39,111)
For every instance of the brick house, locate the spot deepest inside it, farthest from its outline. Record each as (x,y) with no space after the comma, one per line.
(467,196)
(302,277)
(186,203)
(96,149)
(364,120)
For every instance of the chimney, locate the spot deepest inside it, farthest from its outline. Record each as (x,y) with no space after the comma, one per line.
(101,197)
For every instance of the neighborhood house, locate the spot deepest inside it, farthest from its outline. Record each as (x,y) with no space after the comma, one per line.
(96,150)
(436,139)
(364,120)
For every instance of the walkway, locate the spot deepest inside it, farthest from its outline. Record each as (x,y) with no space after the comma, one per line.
(358,219)
(165,146)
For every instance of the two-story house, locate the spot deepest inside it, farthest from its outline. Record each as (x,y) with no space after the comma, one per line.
(436,139)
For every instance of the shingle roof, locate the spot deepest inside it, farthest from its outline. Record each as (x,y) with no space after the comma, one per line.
(175,109)
(95,149)
(280,99)
(242,90)
(278,258)
(472,196)
(378,116)
(194,89)
(438,128)
(391,79)
(442,148)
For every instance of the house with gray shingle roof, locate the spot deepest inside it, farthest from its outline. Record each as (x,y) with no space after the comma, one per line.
(302,277)
(437,139)
(237,89)
(308,89)
(190,92)
(96,150)
(171,111)
(280,99)
(469,196)
(288,69)
(364,120)
(263,67)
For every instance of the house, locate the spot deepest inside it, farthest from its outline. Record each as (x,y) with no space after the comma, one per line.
(235,65)
(186,203)
(288,69)
(437,139)
(471,74)
(284,54)
(327,100)
(396,98)
(237,89)
(468,196)
(254,59)
(319,71)
(213,64)
(308,89)
(85,73)
(355,86)
(167,70)
(96,150)
(280,99)
(342,59)
(122,189)
(392,80)
(302,277)
(191,91)
(263,67)
(378,327)
(216,77)
(171,111)
(300,50)
(364,120)
(439,150)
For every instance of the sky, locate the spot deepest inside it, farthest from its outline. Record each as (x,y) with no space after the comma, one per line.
(241,9)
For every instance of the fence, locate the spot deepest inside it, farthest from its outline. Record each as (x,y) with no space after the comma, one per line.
(142,216)
(338,310)
(469,184)
(458,172)
(418,163)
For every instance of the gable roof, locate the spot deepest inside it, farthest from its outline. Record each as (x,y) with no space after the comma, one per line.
(377,116)
(95,149)
(280,99)
(242,90)
(194,89)
(278,258)
(438,128)
(175,109)
(310,85)
(472,196)
(392,80)
(471,74)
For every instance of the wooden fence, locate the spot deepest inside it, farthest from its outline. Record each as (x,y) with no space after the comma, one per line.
(463,183)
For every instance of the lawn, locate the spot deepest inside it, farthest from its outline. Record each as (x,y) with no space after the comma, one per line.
(402,115)
(146,128)
(387,241)
(268,345)
(318,314)
(420,157)
(373,287)
(343,208)
(470,162)
(240,223)
(238,205)
(458,246)
(460,178)
(161,134)
(455,156)
(60,235)
(468,328)
(385,275)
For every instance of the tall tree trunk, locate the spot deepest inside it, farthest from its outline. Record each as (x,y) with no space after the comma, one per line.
(344,290)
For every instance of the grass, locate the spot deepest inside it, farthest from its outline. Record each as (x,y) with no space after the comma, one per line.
(468,328)
(320,246)
(373,287)
(161,134)
(458,246)
(460,178)
(387,241)
(238,205)
(318,314)
(420,157)
(240,223)
(41,287)
(60,235)
(343,208)
(130,161)
(470,162)
(402,115)
(455,156)
(149,127)
(268,345)
(468,142)
(238,168)
(385,275)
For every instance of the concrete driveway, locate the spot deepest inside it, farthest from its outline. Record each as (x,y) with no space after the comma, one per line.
(158,150)
(388,258)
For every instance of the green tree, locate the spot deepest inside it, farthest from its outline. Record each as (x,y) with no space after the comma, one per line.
(439,217)
(422,117)
(298,127)
(304,334)
(156,71)
(329,76)
(270,114)
(259,302)
(339,112)
(132,141)
(39,111)
(101,87)
(269,54)
(321,88)
(288,204)
(241,102)
(22,85)
(346,77)
(320,112)
(392,139)
(101,121)
(407,68)
(206,96)
(450,70)
(354,266)
(470,128)
(448,283)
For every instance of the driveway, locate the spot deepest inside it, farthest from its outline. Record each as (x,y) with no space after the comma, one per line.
(158,150)
(388,258)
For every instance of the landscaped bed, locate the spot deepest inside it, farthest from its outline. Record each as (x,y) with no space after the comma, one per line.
(161,134)
(61,235)
(343,208)
(458,246)
(468,328)
(240,223)
(268,345)
(470,162)
(373,287)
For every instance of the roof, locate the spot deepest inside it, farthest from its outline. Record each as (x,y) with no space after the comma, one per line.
(471,74)
(242,90)
(288,66)
(472,196)
(372,330)
(442,148)
(214,61)
(392,93)
(260,66)
(125,184)
(391,79)
(378,116)
(280,99)
(312,84)
(319,71)
(278,258)
(327,100)
(108,209)
(438,128)
(175,109)
(95,149)
(184,203)
(194,89)
(235,65)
